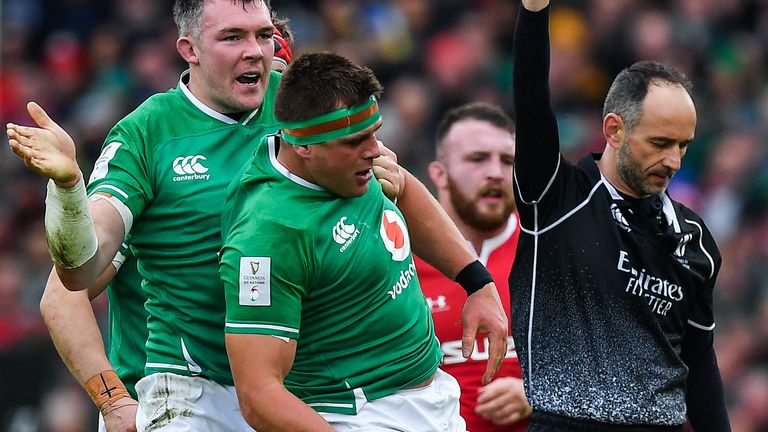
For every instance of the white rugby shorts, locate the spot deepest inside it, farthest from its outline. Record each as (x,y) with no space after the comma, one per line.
(170,402)
(432,408)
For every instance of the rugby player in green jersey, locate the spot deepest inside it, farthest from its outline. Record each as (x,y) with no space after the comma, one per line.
(161,172)
(326,327)
(161,178)
(74,330)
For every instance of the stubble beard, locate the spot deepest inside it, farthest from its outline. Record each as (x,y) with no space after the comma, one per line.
(632,174)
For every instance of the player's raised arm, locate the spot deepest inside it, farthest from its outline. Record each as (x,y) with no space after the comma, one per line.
(82,236)
(537,154)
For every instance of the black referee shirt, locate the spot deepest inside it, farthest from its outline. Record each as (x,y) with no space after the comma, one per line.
(603,288)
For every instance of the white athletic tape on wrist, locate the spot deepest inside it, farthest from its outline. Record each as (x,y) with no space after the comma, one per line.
(68,226)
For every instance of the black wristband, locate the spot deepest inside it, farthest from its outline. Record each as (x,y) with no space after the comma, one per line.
(473,277)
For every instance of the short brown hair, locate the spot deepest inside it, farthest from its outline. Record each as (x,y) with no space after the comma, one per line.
(188,14)
(318,83)
(492,114)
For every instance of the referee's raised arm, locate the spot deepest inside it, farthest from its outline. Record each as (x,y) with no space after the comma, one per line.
(538,152)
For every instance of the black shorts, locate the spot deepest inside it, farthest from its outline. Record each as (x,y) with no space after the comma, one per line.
(548,422)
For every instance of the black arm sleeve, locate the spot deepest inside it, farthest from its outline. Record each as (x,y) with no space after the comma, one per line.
(537,150)
(704,394)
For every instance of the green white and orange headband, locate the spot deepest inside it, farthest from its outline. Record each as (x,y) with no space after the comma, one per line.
(333,125)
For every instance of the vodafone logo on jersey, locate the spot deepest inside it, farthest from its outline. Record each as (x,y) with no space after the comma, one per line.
(395,235)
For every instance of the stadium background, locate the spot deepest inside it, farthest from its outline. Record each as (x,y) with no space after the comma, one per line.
(89,62)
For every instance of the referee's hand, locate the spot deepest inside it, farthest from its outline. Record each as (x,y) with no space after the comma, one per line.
(483,313)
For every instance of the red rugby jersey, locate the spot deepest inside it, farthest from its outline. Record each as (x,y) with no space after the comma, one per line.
(446,299)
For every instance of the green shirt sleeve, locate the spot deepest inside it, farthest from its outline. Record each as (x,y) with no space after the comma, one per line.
(265,268)
(121,169)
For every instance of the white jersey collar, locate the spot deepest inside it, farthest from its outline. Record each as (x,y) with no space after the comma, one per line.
(493,243)
(272,143)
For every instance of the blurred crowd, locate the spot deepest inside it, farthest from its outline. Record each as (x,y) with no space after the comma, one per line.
(89,62)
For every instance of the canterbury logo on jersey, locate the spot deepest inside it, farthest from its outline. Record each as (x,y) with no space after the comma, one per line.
(344,234)
(452,351)
(190,168)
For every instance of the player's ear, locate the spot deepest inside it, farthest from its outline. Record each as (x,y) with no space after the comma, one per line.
(614,130)
(438,174)
(187,50)
(303,151)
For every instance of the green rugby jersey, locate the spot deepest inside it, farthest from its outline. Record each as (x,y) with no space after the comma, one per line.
(336,274)
(127,323)
(168,164)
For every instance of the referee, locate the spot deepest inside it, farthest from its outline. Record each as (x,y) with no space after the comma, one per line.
(612,285)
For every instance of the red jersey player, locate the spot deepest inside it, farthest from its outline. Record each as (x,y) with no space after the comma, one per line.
(473,176)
